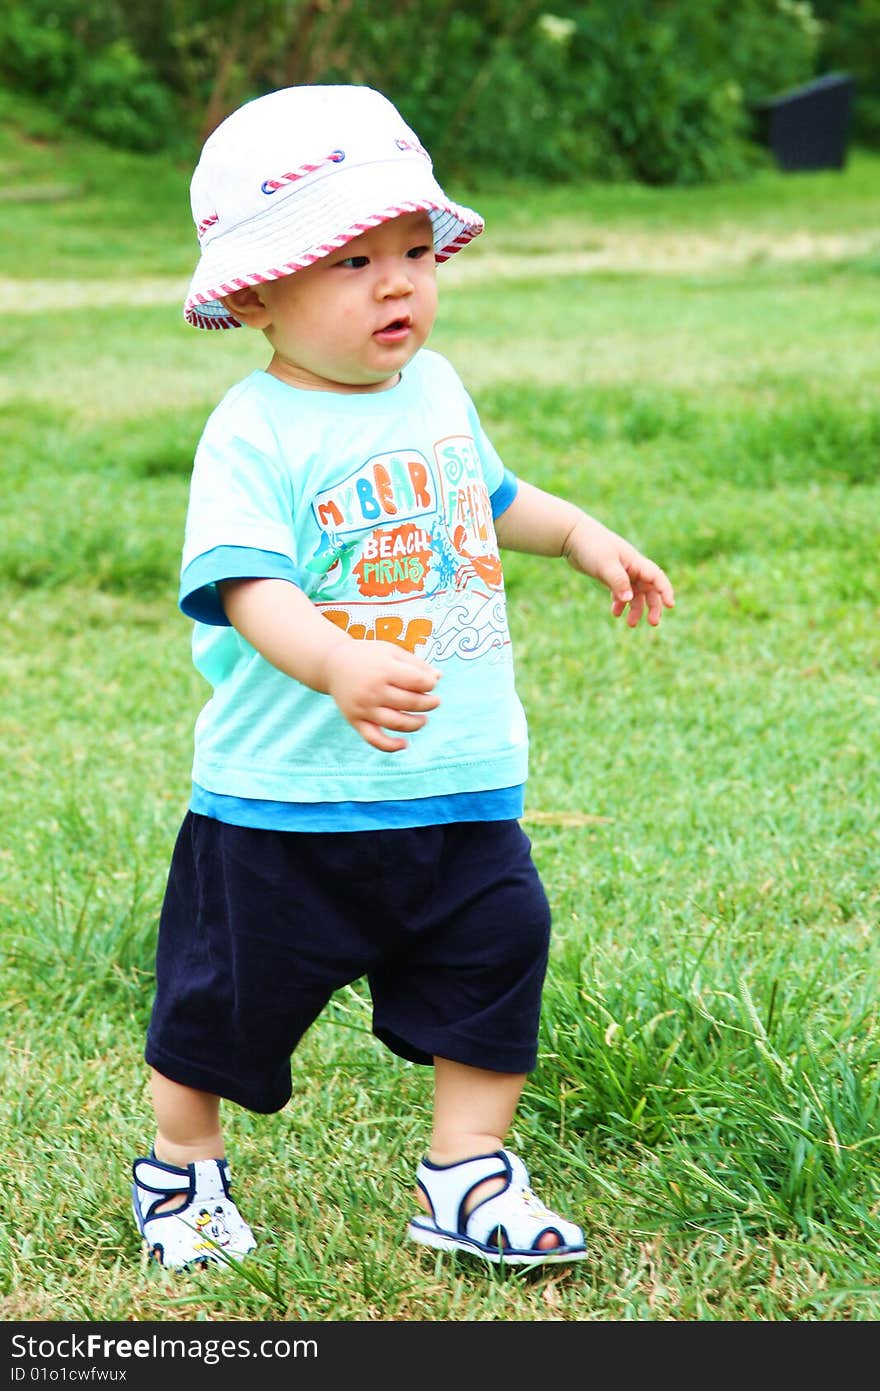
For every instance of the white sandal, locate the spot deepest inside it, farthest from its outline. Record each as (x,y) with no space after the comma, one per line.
(504,1228)
(207,1227)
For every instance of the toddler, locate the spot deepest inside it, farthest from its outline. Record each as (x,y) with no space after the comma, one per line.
(359,769)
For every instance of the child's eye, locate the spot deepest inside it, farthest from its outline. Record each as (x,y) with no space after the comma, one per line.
(417,252)
(355,262)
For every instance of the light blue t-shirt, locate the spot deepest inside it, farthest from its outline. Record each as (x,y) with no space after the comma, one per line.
(380,507)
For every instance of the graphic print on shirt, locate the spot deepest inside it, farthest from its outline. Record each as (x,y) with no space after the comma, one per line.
(408,554)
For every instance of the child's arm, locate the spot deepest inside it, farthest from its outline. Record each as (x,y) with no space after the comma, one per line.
(542,524)
(377,685)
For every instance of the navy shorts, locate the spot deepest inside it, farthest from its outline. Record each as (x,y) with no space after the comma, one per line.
(450,925)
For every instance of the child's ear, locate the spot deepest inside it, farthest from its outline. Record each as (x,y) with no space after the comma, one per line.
(247,307)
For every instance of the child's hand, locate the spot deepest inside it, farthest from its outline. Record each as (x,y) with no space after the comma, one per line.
(378,687)
(540,523)
(632,578)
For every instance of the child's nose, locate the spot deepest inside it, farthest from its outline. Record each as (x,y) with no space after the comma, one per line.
(394,282)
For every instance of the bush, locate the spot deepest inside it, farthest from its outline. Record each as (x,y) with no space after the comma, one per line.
(657,92)
(86,68)
(850,42)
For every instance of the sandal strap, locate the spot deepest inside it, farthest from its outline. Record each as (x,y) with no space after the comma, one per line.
(205,1179)
(521,1215)
(157,1177)
(448,1186)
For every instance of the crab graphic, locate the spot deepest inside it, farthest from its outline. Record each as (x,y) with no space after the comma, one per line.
(480,567)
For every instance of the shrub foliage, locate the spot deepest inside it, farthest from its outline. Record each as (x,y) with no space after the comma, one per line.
(609,89)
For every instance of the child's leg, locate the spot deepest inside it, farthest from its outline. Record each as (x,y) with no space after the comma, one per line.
(473,1111)
(181,1193)
(187,1127)
(187,1122)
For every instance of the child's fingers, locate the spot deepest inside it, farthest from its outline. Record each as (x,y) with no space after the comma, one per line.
(618,581)
(385,730)
(661,590)
(648,577)
(636,609)
(405,698)
(656,605)
(414,674)
(373,734)
(401,721)
(648,600)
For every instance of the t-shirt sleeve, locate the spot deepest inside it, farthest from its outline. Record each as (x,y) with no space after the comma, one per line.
(238,522)
(199,597)
(504,494)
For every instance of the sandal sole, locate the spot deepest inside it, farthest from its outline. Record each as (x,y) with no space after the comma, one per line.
(442,1241)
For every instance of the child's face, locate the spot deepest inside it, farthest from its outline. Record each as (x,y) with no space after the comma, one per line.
(352,320)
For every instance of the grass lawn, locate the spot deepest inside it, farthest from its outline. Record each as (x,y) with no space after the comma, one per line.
(702,802)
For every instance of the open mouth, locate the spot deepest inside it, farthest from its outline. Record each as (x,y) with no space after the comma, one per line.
(396,329)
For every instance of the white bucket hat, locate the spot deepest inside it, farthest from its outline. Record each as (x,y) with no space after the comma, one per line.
(291,176)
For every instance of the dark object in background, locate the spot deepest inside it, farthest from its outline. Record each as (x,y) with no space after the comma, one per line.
(808,127)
